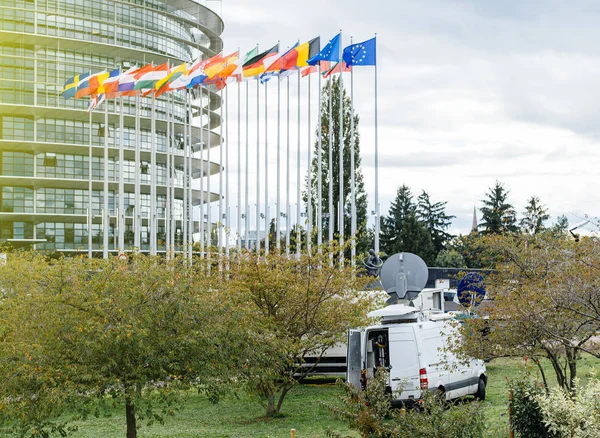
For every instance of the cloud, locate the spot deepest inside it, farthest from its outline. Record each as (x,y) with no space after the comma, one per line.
(470,92)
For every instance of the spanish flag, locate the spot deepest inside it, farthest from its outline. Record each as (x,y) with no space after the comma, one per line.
(255,66)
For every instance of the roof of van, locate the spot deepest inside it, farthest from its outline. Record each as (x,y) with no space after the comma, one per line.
(393,310)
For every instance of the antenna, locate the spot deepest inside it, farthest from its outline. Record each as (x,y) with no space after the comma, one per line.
(404,276)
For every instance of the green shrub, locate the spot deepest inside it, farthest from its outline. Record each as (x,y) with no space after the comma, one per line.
(527,416)
(370,413)
(573,415)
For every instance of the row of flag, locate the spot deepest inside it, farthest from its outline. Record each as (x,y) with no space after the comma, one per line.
(220,70)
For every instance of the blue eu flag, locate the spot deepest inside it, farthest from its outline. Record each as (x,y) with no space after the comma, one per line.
(331,52)
(364,53)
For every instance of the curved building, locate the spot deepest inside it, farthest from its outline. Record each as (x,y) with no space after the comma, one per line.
(127,175)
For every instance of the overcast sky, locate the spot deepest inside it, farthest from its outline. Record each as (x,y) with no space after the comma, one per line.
(470,92)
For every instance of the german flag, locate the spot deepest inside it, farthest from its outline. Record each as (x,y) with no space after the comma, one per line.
(256,65)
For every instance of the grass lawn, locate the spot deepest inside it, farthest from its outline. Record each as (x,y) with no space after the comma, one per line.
(303,410)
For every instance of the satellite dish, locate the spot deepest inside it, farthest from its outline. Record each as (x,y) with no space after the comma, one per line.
(471,289)
(404,276)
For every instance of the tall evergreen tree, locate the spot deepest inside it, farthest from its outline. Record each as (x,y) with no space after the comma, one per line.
(436,220)
(534,216)
(403,231)
(365,238)
(498,215)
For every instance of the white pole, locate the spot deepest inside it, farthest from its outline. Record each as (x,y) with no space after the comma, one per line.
(341,175)
(221,146)
(209,222)
(257,165)
(105,214)
(203,164)
(136,198)
(168,191)
(184,221)
(191,178)
(278,202)
(227,216)
(331,218)
(266,176)
(298,193)
(377,224)
(288,175)
(352,190)
(90,193)
(172,219)
(121,218)
(239,169)
(320,171)
(247,191)
(309,179)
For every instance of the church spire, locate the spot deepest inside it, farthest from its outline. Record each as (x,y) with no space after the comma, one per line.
(474,226)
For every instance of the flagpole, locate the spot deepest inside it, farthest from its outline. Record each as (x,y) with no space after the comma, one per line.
(90,192)
(239,169)
(247,191)
(202,166)
(257,165)
(341,174)
(105,213)
(377,221)
(228,227)
(266,175)
(136,209)
(184,222)
(298,194)
(288,174)
(121,182)
(309,180)
(172,220)
(220,221)
(278,203)
(352,190)
(319,170)
(168,185)
(191,178)
(331,219)
(208,206)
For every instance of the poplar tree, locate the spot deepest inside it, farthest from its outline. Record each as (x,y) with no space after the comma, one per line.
(331,218)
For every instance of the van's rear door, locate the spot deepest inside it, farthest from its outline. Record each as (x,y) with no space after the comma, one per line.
(354,358)
(404,361)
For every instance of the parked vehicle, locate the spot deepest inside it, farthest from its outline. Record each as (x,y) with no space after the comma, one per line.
(412,344)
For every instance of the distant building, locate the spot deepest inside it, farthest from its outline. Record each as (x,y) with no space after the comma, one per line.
(475,226)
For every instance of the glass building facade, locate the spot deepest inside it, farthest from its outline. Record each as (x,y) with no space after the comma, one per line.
(125,176)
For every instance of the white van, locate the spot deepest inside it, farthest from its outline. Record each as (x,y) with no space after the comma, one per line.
(411,344)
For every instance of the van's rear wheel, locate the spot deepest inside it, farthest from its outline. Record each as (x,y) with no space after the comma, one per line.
(480,394)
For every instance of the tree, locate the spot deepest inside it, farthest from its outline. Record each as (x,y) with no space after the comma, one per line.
(403,231)
(498,215)
(78,335)
(544,302)
(436,220)
(469,248)
(450,258)
(363,242)
(562,224)
(534,216)
(301,306)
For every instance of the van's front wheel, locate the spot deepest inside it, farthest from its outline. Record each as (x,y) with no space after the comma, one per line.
(480,394)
